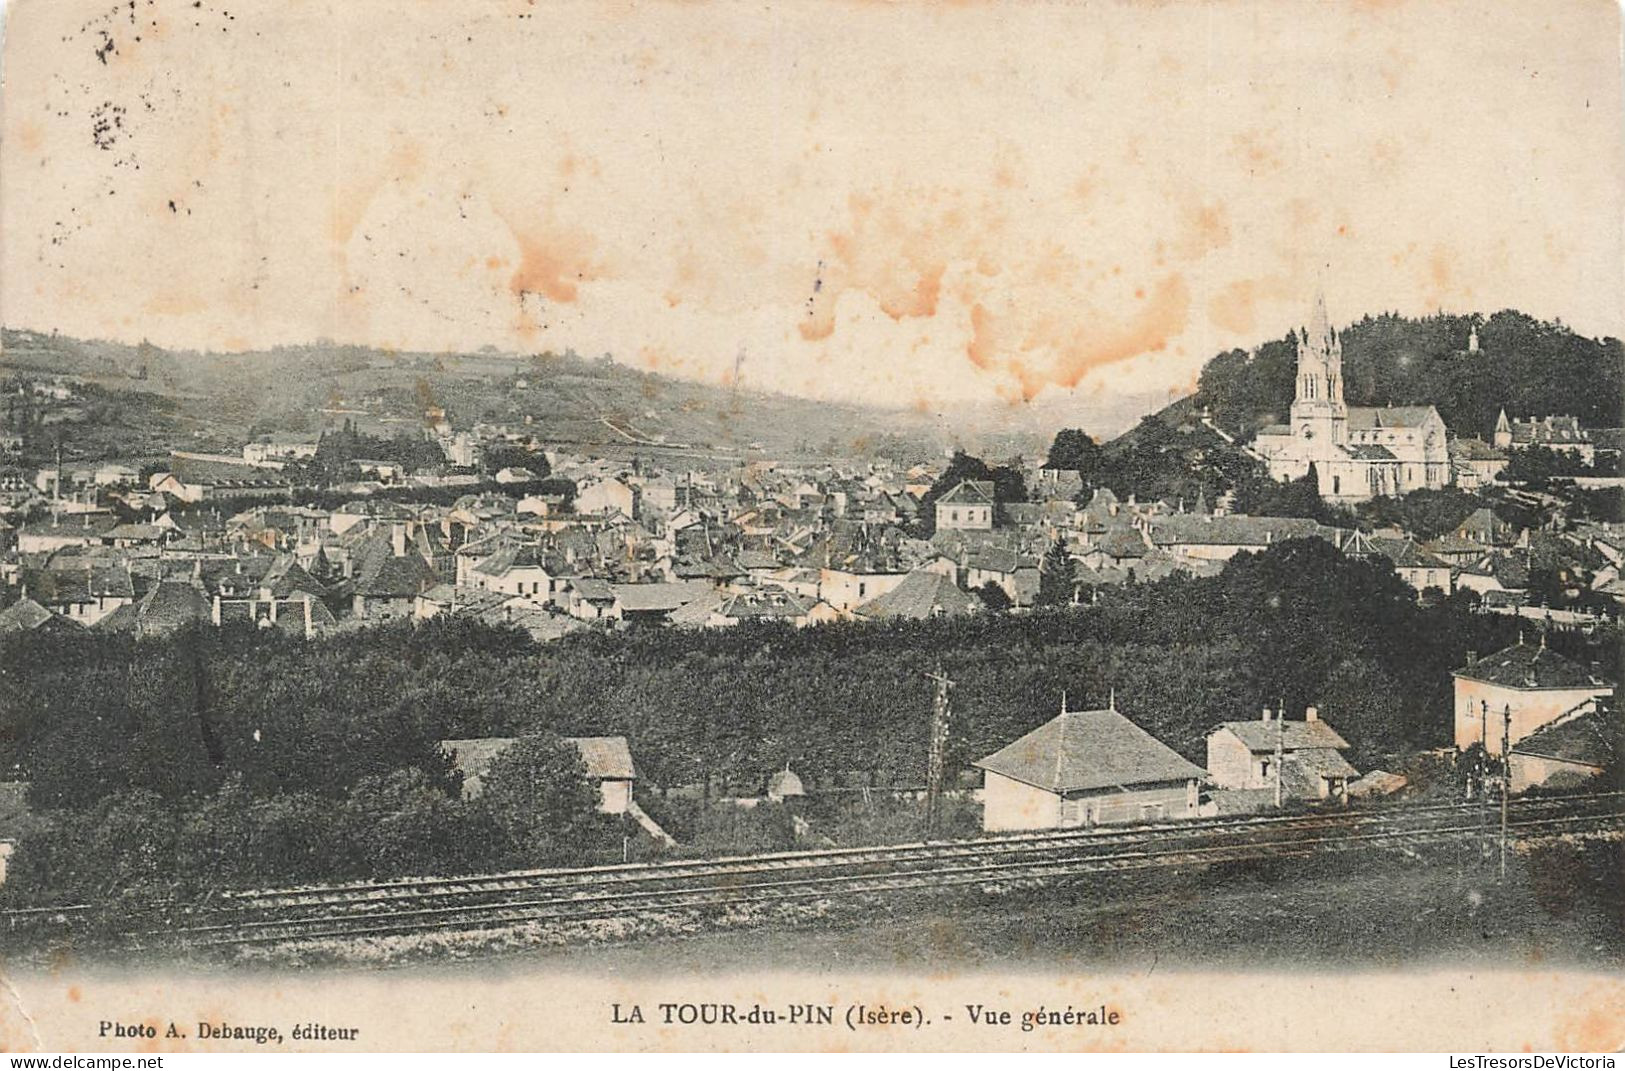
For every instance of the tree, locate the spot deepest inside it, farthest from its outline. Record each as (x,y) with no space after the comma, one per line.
(1057,576)
(994,597)
(537,794)
(403,823)
(1073,451)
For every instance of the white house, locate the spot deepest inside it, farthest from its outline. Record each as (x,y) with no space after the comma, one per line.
(1083,768)
(968,506)
(1305,757)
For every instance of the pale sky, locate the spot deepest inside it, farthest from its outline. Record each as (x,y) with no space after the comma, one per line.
(911,203)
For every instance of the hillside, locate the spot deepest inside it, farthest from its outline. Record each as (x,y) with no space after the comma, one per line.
(1528,366)
(1523,364)
(570,400)
(214,399)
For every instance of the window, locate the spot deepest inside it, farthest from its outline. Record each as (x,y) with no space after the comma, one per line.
(1337,485)
(1264,768)
(862,589)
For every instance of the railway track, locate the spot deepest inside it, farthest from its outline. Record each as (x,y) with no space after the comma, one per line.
(591,893)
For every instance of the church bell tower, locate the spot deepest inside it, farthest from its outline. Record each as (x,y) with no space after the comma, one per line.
(1318,412)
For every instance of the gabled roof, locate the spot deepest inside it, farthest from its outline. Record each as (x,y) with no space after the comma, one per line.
(1393,416)
(1260,736)
(1526,665)
(1403,553)
(969,493)
(1089,749)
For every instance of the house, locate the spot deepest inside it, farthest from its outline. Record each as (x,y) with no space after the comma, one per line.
(515,474)
(1305,758)
(851,587)
(1418,568)
(1016,573)
(1220,538)
(1475,463)
(588,598)
(1517,691)
(1498,571)
(1084,768)
(1483,527)
(968,506)
(923,594)
(388,576)
(605,497)
(1570,750)
(608,760)
(26,615)
(514,571)
(280,447)
(771,604)
(80,530)
(169,606)
(193,478)
(1561,434)
(83,594)
(653,604)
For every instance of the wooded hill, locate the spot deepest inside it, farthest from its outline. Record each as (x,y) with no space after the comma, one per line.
(1527,366)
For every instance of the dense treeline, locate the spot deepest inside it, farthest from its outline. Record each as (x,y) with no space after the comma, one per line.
(96,713)
(299,761)
(1524,365)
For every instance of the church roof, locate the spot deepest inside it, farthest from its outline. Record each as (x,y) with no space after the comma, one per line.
(1392,416)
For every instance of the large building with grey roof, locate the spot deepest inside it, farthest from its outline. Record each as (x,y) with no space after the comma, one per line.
(1356,452)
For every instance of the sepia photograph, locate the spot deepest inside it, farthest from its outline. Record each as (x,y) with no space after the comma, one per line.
(628,525)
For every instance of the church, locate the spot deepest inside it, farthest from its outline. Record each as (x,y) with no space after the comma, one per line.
(1357,452)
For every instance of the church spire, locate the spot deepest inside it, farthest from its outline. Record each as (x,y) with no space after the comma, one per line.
(1320,325)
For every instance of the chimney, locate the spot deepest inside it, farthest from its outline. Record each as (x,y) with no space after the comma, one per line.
(1267,714)
(1472,658)
(1311,713)
(214,610)
(307,617)
(397,540)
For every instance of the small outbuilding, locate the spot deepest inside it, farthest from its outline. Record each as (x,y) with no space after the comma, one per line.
(608,760)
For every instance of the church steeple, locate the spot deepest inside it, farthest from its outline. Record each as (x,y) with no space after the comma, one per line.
(1318,410)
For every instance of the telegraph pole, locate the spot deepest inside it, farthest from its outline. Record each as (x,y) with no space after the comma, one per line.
(1506,779)
(1483,772)
(936,753)
(1280,747)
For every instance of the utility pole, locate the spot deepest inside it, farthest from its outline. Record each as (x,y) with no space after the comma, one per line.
(1483,773)
(1506,779)
(1280,747)
(936,752)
